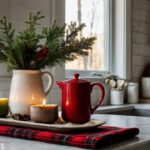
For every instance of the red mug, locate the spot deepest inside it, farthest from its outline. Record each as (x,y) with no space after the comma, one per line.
(76,99)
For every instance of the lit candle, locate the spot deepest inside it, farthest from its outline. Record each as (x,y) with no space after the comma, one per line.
(44,113)
(3,107)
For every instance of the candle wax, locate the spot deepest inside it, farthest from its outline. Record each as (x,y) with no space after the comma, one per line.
(3,107)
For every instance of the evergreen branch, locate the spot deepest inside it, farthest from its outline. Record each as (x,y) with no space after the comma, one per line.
(3,57)
(19,54)
(72,32)
(53,34)
(26,51)
(33,20)
(7,30)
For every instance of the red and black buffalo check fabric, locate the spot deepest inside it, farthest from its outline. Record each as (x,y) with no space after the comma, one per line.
(95,138)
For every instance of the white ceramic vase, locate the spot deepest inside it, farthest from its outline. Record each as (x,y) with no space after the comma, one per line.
(26,89)
(145,87)
(117,97)
(132,93)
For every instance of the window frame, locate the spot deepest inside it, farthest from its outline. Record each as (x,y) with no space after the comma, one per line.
(107,47)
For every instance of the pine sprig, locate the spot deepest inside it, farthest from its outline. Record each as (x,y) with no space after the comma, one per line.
(25,50)
(72,32)
(33,20)
(6,43)
(6,28)
(28,40)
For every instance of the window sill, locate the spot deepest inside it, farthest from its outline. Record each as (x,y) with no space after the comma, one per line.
(88,74)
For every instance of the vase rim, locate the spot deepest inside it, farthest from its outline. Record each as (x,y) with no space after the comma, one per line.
(26,71)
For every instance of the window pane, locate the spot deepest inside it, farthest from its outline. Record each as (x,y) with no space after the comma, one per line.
(90,12)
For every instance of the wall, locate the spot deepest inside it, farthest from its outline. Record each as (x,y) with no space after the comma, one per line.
(140,37)
(17,12)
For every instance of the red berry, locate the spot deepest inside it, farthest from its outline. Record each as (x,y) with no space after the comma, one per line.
(42,54)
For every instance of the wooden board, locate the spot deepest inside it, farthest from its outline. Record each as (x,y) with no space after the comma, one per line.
(66,127)
(147,101)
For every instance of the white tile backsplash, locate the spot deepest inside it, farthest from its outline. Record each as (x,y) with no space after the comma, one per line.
(140,27)
(136,4)
(136,14)
(140,49)
(140,37)
(2,93)
(138,60)
(137,71)
(145,5)
(54,96)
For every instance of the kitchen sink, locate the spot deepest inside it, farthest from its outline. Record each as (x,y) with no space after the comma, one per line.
(131,112)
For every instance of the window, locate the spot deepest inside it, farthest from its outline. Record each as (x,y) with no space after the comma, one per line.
(95,14)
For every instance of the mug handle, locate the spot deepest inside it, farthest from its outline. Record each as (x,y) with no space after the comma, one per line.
(50,82)
(100,86)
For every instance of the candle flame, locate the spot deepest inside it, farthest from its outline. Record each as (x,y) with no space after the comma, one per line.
(44,102)
(32,97)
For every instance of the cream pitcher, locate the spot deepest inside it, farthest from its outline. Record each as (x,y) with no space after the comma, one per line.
(27,89)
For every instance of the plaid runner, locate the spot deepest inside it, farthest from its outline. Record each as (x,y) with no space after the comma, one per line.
(101,136)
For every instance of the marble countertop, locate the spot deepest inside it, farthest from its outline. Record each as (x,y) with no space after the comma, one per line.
(142,141)
(111,108)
